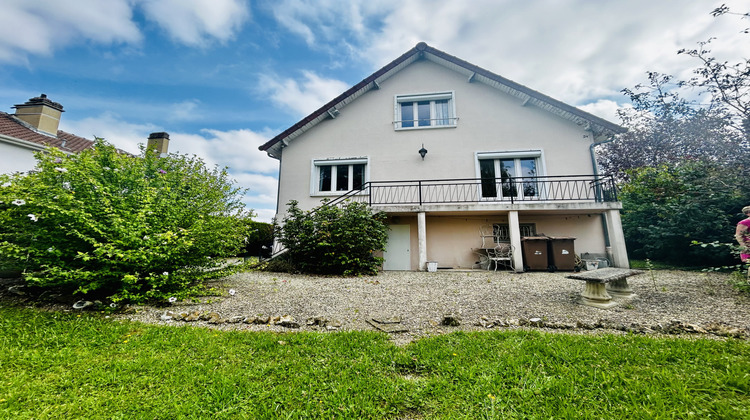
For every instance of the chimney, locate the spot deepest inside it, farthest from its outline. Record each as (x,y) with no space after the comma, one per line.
(159,143)
(41,113)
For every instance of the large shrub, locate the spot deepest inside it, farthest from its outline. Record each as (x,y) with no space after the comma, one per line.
(110,224)
(334,240)
(666,208)
(259,241)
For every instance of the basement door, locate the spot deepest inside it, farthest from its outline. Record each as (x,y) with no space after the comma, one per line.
(397,251)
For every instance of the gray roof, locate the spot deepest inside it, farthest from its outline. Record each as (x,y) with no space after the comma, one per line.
(473,73)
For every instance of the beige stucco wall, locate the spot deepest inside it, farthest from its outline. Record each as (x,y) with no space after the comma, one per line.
(489,121)
(451,240)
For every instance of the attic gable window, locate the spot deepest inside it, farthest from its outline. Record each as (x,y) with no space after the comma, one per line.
(430,110)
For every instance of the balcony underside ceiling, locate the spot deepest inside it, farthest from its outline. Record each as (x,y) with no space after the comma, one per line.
(482,209)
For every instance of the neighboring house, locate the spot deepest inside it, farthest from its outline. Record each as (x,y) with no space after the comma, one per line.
(447,149)
(34,126)
(30,129)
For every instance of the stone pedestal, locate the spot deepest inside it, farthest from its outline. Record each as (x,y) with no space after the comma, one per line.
(620,289)
(595,294)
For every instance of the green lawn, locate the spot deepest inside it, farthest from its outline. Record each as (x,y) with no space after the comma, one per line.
(64,365)
(658,265)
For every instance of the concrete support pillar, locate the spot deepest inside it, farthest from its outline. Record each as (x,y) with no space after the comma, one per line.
(515,240)
(422,239)
(617,239)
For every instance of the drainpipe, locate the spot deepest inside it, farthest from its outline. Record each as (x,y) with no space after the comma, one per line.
(596,175)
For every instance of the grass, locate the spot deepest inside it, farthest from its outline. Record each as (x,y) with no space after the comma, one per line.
(657,265)
(65,365)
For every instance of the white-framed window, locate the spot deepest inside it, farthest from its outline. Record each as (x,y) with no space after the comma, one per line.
(427,110)
(338,176)
(510,174)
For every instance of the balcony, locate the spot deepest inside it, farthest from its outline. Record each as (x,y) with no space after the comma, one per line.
(508,190)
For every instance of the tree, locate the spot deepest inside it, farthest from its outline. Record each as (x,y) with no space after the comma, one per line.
(684,165)
(665,128)
(666,208)
(259,241)
(109,224)
(728,84)
(334,240)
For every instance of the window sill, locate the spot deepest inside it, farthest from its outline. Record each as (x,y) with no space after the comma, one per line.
(432,127)
(334,194)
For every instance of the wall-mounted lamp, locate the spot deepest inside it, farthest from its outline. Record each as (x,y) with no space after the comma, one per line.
(422,151)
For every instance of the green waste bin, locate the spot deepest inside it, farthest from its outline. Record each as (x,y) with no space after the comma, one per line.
(562,254)
(535,253)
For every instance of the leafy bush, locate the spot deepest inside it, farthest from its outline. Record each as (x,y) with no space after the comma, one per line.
(740,278)
(259,239)
(334,240)
(113,225)
(280,264)
(666,208)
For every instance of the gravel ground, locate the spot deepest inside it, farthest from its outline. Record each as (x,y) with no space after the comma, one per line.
(420,301)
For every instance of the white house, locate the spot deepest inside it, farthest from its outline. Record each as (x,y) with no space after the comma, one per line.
(34,126)
(30,129)
(448,149)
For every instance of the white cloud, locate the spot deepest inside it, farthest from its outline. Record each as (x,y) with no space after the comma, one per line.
(110,127)
(575,51)
(603,108)
(305,96)
(321,22)
(261,189)
(569,50)
(184,111)
(41,26)
(237,149)
(264,215)
(193,22)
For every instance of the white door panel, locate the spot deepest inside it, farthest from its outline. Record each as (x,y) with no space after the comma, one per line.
(397,251)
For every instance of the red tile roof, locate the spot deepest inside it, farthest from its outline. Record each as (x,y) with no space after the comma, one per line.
(11,127)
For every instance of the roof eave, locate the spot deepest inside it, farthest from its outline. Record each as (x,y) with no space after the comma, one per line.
(596,124)
(534,97)
(367,84)
(25,143)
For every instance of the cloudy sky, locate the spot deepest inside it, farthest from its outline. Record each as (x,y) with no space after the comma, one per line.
(224,76)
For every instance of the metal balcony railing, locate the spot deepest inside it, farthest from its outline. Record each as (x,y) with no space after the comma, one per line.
(592,188)
(572,188)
